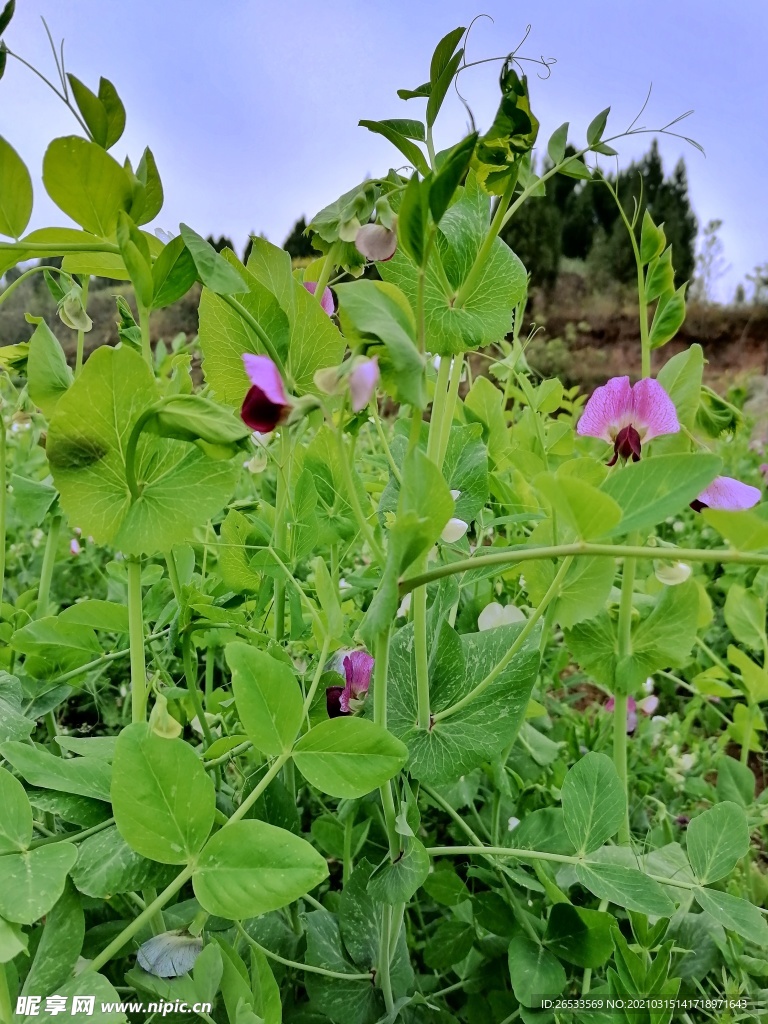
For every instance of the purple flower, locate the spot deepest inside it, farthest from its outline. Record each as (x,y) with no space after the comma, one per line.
(346,700)
(327,303)
(376,242)
(266,403)
(626,416)
(728,494)
(647,705)
(363,381)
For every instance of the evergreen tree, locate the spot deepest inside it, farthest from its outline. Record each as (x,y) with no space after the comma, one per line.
(298,244)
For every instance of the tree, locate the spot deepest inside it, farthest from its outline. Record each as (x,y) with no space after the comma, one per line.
(710,263)
(298,244)
(222,242)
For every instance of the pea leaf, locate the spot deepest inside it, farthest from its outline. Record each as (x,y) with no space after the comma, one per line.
(31,882)
(48,374)
(626,887)
(60,945)
(533,970)
(593,802)
(81,776)
(734,913)
(348,757)
(15,192)
(16,821)
(86,183)
(162,799)
(267,696)
(717,840)
(579,936)
(250,868)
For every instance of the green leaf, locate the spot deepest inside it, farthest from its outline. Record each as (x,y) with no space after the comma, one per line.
(626,887)
(15,192)
(6,14)
(303,335)
(579,936)
(355,1001)
(16,821)
(735,782)
(105,615)
(597,127)
(147,189)
(47,370)
(744,614)
(348,757)
(32,499)
(410,151)
(652,489)
(267,696)
(576,168)
(668,318)
(93,110)
(181,487)
(59,947)
(478,732)
(681,379)
(444,886)
(557,143)
(328,596)
(214,271)
(412,220)
(439,86)
(86,183)
(449,176)
(662,638)
(377,310)
(449,944)
(584,512)
(735,914)
(593,802)
(533,970)
(716,841)
(250,868)
(652,239)
(513,133)
(107,865)
(541,830)
(12,941)
(396,882)
(115,112)
(89,986)
(135,254)
(485,315)
(53,645)
(83,776)
(173,273)
(163,801)
(408,127)
(443,53)
(660,276)
(32,882)
(746,531)
(195,418)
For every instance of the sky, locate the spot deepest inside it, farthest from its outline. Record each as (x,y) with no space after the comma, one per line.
(251,107)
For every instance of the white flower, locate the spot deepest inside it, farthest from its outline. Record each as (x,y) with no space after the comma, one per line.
(455,495)
(648,685)
(495,614)
(257,463)
(405,607)
(512,824)
(74,546)
(343,585)
(454,530)
(648,704)
(672,574)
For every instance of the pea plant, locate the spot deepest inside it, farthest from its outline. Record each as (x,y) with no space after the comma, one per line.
(331,652)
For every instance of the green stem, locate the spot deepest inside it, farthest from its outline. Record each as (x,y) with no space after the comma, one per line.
(258,330)
(511,556)
(645,349)
(84,282)
(103,660)
(326,271)
(374,407)
(46,572)
(60,249)
(383,977)
(354,499)
(136,641)
(621,698)
(515,646)
(6,1010)
(146,346)
(131,479)
(76,837)
(745,745)
(190,675)
(317,676)
(7,292)
(457,368)
(308,968)
(380,679)
(281,530)
(349,824)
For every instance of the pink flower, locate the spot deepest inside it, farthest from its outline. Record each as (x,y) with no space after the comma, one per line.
(626,416)
(728,494)
(363,381)
(376,242)
(647,705)
(266,403)
(74,546)
(345,700)
(327,303)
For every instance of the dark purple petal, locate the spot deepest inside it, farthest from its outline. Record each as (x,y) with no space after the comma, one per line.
(263,373)
(333,701)
(626,446)
(260,413)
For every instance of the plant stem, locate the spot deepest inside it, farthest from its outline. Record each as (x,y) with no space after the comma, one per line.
(146,346)
(281,531)
(326,271)
(383,977)
(46,572)
(136,641)
(621,698)
(76,837)
(317,676)
(190,675)
(309,968)
(515,646)
(457,367)
(380,677)
(513,555)
(354,499)
(477,268)
(84,282)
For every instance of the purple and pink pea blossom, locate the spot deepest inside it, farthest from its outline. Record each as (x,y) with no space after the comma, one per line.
(728,495)
(376,242)
(346,700)
(363,382)
(647,705)
(627,416)
(266,404)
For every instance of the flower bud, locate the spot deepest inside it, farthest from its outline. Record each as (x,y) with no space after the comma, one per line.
(454,531)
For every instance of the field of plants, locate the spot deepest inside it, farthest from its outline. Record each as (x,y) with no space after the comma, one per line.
(339,681)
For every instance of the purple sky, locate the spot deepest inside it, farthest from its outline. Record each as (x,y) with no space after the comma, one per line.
(251,108)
